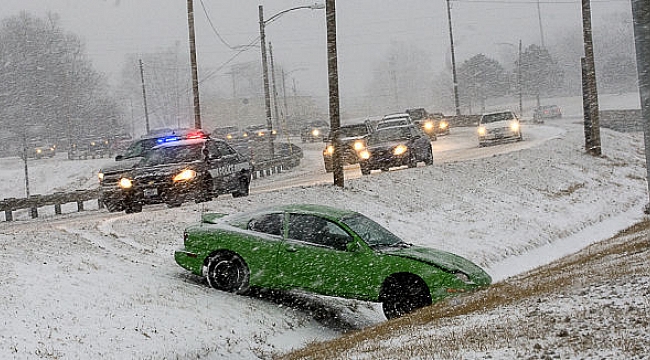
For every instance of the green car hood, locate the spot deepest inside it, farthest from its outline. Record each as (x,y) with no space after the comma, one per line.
(445,260)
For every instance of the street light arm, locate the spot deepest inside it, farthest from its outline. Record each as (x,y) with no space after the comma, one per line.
(315,6)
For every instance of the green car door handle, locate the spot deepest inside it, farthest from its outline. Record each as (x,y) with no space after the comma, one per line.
(291,249)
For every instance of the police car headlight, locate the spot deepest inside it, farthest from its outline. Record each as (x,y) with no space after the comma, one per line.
(364,154)
(481,131)
(100,176)
(315,132)
(187,174)
(400,149)
(359,145)
(514,126)
(126,183)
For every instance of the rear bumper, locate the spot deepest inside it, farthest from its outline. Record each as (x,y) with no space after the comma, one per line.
(189,261)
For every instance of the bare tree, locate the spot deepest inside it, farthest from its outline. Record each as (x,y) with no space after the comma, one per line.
(48,88)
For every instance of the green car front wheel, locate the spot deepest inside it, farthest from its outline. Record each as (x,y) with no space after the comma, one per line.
(227,271)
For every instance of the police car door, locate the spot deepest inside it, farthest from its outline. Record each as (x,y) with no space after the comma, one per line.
(222,165)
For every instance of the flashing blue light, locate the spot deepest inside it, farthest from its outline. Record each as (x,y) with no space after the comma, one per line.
(167,139)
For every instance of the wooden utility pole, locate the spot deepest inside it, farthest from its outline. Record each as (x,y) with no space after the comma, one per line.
(144,97)
(333,81)
(195,73)
(592,90)
(641,15)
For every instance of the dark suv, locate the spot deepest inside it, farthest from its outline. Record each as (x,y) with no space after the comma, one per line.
(179,171)
(395,146)
(352,139)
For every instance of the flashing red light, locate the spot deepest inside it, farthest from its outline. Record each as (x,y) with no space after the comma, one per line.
(196,135)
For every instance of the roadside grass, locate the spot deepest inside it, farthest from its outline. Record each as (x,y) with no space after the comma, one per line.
(616,261)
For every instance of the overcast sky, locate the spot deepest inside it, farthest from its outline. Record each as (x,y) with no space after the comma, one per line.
(366,28)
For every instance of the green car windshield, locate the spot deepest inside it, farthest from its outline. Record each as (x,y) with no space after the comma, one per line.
(372,233)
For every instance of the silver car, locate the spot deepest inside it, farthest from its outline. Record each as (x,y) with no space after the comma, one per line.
(497,126)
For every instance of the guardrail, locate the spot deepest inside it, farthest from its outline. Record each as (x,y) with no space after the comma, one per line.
(34,202)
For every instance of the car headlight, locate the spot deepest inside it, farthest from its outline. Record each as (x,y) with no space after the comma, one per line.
(514,126)
(428,126)
(315,132)
(481,131)
(100,176)
(400,149)
(187,174)
(126,183)
(38,151)
(229,136)
(443,124)
(364,154)
(261,133)
(329,150)
(359,145)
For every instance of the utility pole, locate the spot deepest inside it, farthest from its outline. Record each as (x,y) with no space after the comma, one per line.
(595,148)
(641,15)
(333,81)
(541,30)
(453,61)
(519,90)
(144,97)
(195,73)
(275,90)
(265,75)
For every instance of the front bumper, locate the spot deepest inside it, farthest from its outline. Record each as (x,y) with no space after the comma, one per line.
(499,134)
(385,159)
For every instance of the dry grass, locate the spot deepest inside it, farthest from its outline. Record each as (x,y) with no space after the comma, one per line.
(625,256)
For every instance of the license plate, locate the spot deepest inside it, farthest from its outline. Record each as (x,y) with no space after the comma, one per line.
(150,192)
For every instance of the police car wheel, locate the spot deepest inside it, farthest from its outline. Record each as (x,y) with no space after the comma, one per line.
(244,188)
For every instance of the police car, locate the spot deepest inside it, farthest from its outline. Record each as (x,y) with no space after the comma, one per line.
(178,171)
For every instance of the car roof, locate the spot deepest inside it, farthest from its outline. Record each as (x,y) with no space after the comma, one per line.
(185,142)
(314,209)
(395,116)
(498,112)
(160,133)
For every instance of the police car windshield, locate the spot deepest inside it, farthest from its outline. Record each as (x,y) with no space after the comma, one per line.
(173,154)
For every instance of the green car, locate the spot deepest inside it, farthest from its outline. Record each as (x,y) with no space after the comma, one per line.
(326,251)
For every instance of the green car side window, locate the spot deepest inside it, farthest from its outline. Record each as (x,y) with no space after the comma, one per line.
(318,231)
(267,223)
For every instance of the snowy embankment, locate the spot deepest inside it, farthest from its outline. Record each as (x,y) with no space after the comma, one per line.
(106,285)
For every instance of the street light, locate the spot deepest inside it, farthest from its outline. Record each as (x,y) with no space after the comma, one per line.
(265,66)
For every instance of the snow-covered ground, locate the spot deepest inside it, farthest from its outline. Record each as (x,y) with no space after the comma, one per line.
(105,285)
